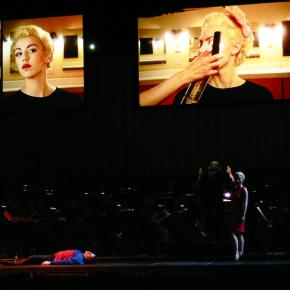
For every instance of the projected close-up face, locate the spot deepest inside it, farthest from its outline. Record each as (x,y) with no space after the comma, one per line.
(30,57)
(226,44)
(43,63)
(180,67)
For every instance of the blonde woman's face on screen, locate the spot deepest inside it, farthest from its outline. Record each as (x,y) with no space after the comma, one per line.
(206,42)
(30,56)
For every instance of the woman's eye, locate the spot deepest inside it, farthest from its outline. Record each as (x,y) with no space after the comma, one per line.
(32,50)
(17,54)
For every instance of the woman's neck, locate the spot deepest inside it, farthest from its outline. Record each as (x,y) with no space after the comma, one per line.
(37,88)
(226,78)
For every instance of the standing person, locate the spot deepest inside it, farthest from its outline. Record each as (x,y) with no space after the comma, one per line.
(150,232)
(224,85)
(33,50)
(239,204)
(211,185)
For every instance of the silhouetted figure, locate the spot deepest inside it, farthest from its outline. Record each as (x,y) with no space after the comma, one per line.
(150,234)
(22,229)
(211,186)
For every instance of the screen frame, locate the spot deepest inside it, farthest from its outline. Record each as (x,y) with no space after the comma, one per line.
(79,90)
(151,12)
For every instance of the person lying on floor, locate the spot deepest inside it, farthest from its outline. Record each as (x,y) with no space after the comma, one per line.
(66,257)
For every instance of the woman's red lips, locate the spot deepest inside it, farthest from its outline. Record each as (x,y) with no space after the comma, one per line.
(26,65)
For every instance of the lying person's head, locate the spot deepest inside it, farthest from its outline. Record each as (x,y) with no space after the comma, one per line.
(89,256)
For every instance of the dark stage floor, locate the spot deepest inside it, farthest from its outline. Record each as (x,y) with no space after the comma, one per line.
(140,272)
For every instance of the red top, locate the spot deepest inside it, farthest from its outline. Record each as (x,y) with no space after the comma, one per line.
(62,255)
(237,208)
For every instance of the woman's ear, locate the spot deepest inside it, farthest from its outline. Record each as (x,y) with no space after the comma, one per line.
(236,48)
(48,58)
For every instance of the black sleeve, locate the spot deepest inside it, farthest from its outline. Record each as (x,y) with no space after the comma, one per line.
(179,96)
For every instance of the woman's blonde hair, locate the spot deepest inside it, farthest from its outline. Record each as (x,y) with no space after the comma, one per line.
(233,31)
(36,31)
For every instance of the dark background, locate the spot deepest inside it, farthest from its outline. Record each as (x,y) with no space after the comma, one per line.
(114,141)
(113,138)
